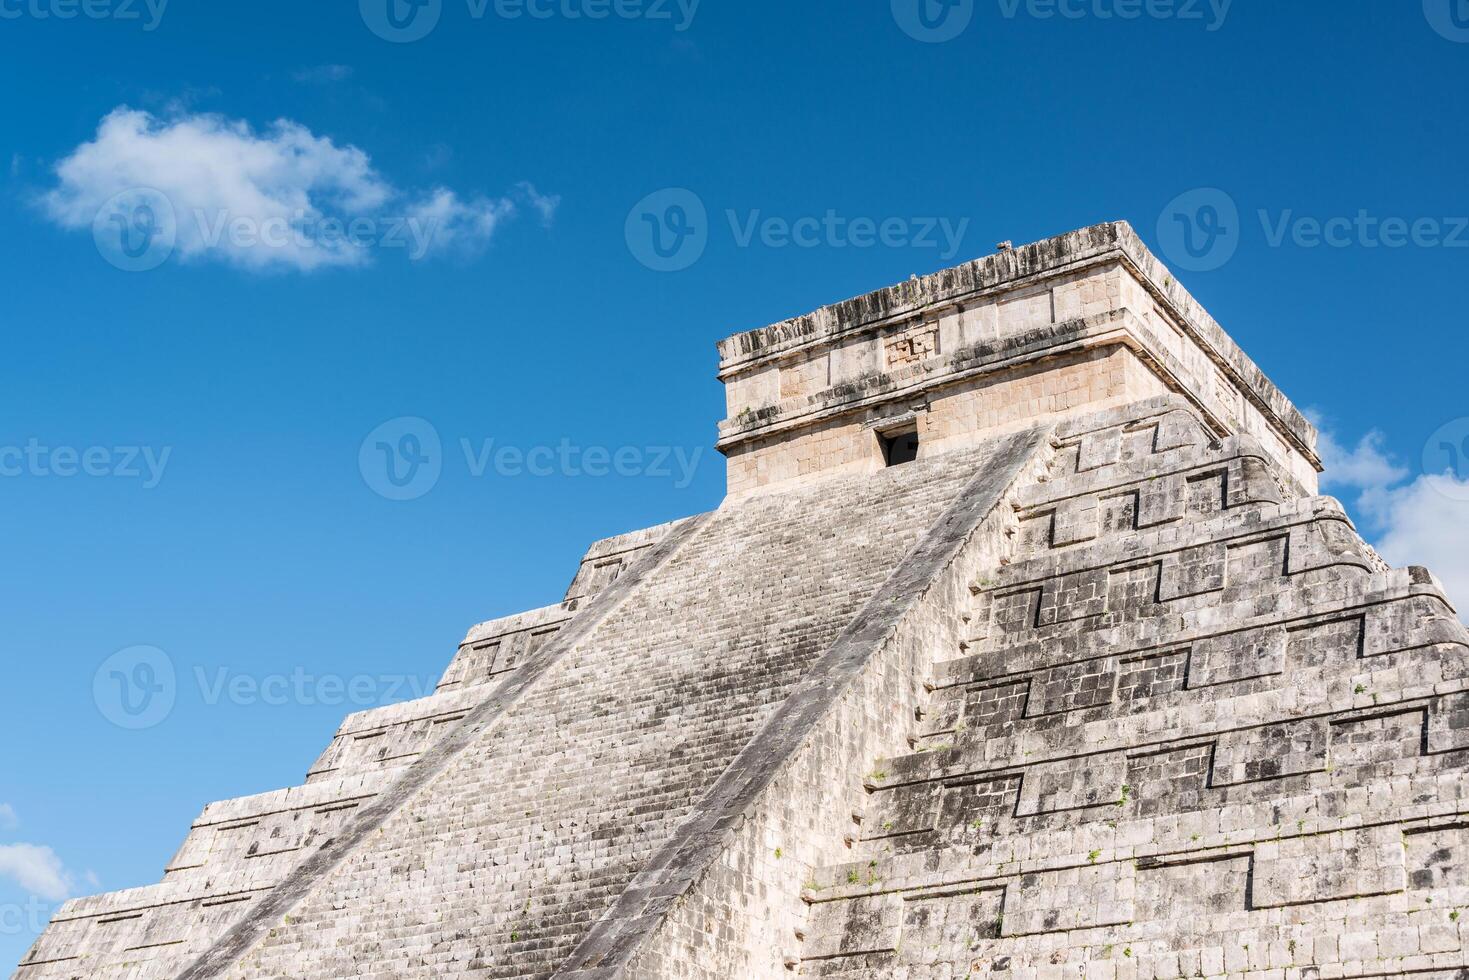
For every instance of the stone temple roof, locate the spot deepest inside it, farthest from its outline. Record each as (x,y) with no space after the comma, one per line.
(1095,686)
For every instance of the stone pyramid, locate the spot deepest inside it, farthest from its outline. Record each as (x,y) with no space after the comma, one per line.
(1094,686)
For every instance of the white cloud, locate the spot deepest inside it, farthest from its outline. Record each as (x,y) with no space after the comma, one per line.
(279,198)
(8,819)
(1426,523)
(1422,522)
(1364,467)
(37,870)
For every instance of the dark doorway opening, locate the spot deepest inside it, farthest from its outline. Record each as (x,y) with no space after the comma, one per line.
(899,447)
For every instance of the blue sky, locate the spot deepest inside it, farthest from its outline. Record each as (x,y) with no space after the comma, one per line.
(223,400)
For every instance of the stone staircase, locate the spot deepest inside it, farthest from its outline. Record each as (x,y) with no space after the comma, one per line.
(1197,728)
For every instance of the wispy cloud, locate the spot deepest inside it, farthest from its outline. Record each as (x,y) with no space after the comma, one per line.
(545,204)
(322,74)
(458,223)
(37,870)
(1423,521)
(283,197)
(8,819)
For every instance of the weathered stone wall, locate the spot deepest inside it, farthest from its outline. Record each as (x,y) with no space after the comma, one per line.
(947,419)
(809,394)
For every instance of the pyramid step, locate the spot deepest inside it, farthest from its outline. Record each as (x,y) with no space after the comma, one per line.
(273,828)
(1378,598)
(1169,571)
(1143,879)
(1195,485)
(990,696)
(1296,728)
(392,736)
(168,923)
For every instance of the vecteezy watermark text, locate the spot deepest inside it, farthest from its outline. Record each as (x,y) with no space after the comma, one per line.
(937,21)
(39,461)
(1211,13)
(1201,230)
(674,463)
(403,459)
(406,21)
(303,230)
(26,918)
(149,13)
(139,229)
(1363,230)
(138,687)
(300,687)
(669,230)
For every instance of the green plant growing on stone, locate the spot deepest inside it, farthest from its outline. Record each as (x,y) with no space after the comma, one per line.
(1092,857)
(1126,793)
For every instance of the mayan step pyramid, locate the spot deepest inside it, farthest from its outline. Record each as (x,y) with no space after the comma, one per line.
(1021,647)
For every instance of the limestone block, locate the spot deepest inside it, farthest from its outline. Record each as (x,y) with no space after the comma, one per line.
(1347,864)
(1076,898)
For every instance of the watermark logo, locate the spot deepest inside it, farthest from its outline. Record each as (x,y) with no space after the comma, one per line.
(1446,459)
(668,230)
(149,13)
(1449,17)
(136,688)
(933,21)
(402,459)
(136,230)
(401,21)
(1200,230)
